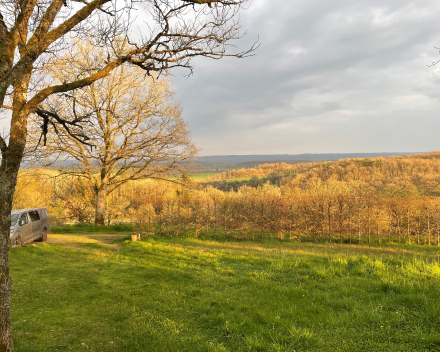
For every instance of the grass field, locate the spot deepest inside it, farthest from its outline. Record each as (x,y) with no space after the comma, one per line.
(201,176)
(104,293)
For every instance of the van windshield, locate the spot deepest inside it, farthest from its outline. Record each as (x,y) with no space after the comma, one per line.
(14,218)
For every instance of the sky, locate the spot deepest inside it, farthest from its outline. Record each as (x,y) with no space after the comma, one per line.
(338,76)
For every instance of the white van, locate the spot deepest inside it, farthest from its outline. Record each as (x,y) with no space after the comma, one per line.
(28,225)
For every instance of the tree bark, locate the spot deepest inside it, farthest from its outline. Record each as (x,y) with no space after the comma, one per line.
(10,164)
(8,178)
(101,205)
(7,189)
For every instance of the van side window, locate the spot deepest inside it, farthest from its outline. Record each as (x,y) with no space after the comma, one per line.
(34,215)
(45,214)
(24,219)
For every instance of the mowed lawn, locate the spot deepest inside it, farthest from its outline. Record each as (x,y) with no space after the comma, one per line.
(167,294)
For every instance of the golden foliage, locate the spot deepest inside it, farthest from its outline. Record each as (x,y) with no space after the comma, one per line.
(353,201)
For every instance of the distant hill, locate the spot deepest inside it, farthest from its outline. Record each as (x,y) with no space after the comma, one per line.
(252,164)
(286,157)
(220,163)
(417,174)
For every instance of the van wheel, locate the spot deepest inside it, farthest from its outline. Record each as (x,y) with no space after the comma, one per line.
(44,236)
(18,241)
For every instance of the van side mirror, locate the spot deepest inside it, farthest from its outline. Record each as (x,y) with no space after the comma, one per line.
(21,222)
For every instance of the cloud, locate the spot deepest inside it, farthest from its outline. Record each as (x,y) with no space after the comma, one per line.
(338,76)
(330,76)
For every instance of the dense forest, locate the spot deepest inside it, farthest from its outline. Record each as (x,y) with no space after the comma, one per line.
(352,200)
(403,175)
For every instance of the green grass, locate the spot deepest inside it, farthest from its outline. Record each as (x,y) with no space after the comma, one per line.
(90,228)
(172,294)
(201,176)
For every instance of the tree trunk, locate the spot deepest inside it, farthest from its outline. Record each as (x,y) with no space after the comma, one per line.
(329,226)
(10,164)
(429,233)
(6,343)
(369,227)
(101,206)
(349,228)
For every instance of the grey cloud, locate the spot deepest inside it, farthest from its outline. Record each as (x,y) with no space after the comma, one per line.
(329,76)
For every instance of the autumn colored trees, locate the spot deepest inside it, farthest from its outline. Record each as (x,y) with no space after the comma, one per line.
(135,128)
(333,211)
(417,174)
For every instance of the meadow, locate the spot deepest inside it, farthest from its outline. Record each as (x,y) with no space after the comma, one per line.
(199,176)
(102,292)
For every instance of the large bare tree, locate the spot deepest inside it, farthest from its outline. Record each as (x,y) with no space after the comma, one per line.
(33,33)
(135,128)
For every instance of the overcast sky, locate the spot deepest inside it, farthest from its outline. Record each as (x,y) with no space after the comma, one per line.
(330,76)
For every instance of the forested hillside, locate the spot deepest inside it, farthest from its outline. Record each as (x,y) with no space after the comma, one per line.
(409,174)
(381,199)
(263,170)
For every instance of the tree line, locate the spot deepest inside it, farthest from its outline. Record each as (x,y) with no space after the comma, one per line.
(235,185)
(417,174)
(330,211)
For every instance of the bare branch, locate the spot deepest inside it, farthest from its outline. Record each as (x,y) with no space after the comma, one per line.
(53,119)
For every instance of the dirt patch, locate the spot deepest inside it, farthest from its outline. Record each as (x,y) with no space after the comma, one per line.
(72,240)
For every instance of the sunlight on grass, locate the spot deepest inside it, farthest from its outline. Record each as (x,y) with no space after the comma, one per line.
(72,239)
(171,294)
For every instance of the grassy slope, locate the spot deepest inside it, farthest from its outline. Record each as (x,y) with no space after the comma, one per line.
(190,295)
(203,175)
(200,176)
